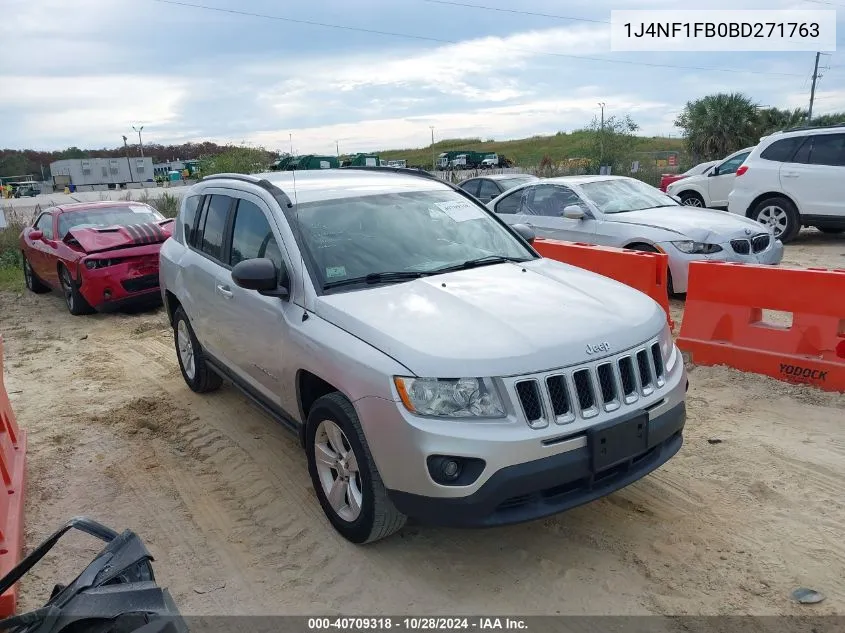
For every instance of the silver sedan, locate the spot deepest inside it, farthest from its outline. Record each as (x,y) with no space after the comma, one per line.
(624,212)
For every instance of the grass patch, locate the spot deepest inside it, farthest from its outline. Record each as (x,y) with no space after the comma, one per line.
(11,270)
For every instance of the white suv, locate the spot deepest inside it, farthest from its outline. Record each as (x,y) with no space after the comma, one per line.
(711,188)
(793,179)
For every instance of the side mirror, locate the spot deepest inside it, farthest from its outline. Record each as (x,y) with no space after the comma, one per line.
(35,234)
(260,274)
(573,212)
(714,172)
(525,232)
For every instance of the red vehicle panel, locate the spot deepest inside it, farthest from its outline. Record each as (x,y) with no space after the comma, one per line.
(101,255)
(668,179)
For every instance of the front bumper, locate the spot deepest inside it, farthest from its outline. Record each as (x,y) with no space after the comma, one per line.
(543,487)
(122,285)
(679,262)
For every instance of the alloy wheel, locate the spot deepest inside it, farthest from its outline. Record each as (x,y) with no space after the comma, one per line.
(337,468)
(775,217)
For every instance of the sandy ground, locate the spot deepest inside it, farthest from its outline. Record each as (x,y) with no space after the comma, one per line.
(222,497)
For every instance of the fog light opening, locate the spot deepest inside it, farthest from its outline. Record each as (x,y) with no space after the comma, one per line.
(450,469)
(107,293)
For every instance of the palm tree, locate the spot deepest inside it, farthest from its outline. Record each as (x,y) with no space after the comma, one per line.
(773,119)
(716,125)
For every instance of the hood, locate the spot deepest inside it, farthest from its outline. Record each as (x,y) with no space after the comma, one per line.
(701,225)
(106,238)
(499,320)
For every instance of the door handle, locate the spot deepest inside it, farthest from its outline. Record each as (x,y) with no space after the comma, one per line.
(224,290)
(790,174)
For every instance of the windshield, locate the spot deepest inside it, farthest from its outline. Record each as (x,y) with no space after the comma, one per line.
(416,232)
(510,183)
(625,194)
(107,216)
(698,169)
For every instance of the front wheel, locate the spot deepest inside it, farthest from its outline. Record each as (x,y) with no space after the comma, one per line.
(691,199)
(344,475)
(780,215)
(76,303)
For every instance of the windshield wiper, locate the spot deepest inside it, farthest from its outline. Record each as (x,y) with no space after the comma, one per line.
(487,260)
(375,278)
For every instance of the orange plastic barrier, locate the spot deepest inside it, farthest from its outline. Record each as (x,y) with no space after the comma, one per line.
(647,272)
(12,462)
(723,321)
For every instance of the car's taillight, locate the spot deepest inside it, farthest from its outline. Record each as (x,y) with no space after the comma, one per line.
(742,169)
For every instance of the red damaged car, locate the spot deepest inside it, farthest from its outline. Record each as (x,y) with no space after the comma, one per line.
(101,255)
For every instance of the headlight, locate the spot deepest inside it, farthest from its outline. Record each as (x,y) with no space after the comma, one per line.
(667,348)
(450,397)
(696,248)
(91,264)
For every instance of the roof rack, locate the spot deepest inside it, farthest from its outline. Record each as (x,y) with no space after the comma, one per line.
(814,127)
(274,190)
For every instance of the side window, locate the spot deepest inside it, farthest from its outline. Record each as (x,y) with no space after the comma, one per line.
(802,156)
(828,149)
(471,187)
(510,204)
(188,220)
(216,215)
(488,190)
(45,225)
(730,166)
(783,150)
(252,236)
(550,200)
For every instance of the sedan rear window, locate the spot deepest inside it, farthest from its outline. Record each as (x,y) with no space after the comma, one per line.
(107,216)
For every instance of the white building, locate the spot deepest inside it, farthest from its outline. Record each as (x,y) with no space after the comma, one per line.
(84,172)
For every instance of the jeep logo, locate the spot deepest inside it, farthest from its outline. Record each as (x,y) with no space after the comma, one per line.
(796,371)
(601,347)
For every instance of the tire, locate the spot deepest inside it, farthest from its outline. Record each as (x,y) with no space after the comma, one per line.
(199,377)
(33,283)
(779,214)
(692,199)
(830,230)
(365,513)
(645,248)
(76,303)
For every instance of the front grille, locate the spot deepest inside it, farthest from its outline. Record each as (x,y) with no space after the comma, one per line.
(137,284)
(585,391)
(756,244)
(760,243)
(742,247)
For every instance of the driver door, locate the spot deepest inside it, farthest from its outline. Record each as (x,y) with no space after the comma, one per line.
(43,253)
(542,209)
(720,182)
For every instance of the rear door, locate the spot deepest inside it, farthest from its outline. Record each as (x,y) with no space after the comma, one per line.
(206,270)
(721,180)
(814,177)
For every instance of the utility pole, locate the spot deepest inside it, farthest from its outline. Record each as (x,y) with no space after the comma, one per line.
(813,89)
(290,136)
(128,162)
(601,137)
(433,159)
(337,147)
(140,142)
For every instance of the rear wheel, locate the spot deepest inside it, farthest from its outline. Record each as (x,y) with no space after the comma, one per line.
(76,303)
(344,475)
(195,370)
(691,199)
(780,215)
(33,283)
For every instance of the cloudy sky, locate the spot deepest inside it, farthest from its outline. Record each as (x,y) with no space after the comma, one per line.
(83,72)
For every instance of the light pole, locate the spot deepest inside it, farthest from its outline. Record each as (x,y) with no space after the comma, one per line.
(140,142)
(290,136)
(128,162)
(337,147)
(601,137)
(433,160)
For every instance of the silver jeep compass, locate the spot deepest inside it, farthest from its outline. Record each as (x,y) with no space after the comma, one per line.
(432,363)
